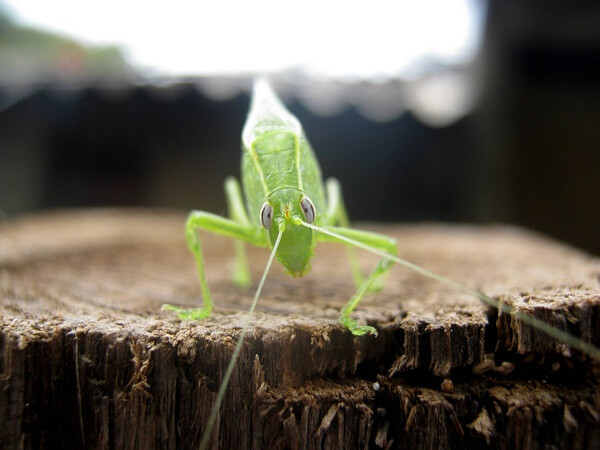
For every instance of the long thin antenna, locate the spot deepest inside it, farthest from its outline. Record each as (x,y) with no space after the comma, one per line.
(236,352)
(567,338)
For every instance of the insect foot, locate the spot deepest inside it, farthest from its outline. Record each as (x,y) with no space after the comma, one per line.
(355,328)
(192,314)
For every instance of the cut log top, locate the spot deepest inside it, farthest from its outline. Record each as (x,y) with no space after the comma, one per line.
(87,358)
(109,271)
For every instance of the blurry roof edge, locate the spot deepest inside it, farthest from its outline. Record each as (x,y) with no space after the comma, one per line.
(438,98)
(437,93)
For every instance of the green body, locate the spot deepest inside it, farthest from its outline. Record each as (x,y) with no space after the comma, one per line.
(279,169)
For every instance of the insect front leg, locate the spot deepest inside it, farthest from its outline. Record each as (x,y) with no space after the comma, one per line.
(219,225)
(337,215)
(375,240)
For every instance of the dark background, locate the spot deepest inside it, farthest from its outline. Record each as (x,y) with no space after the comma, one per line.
(528,154)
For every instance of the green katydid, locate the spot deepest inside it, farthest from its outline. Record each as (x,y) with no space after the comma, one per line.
(289,209)
(284,196)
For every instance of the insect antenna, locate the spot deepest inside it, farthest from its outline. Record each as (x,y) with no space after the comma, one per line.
(560,335)
(236,352)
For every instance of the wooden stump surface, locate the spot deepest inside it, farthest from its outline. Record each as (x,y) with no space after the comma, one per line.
(88,359)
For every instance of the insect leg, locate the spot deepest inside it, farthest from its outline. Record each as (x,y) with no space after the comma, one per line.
(337,215)
(219,225)
(237,212)
(375,240)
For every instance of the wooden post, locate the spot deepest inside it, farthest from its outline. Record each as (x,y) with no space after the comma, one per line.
(88,359)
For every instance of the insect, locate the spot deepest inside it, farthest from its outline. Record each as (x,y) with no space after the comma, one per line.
(289,209)
(286,204)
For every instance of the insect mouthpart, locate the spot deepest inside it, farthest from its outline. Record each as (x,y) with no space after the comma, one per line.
(289,215)
(286,212)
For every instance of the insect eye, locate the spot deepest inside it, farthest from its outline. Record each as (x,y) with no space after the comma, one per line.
(266,214)
(309,209)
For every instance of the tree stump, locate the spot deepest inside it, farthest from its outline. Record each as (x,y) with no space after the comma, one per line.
(88,359)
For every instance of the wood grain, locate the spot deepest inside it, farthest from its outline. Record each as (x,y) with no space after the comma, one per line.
(88,359)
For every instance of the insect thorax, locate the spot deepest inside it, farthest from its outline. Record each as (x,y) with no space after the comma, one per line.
(278,160)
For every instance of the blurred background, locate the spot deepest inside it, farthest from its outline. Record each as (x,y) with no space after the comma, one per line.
(462,110)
